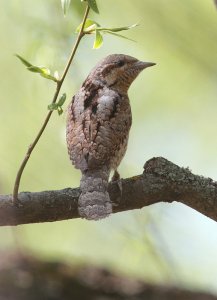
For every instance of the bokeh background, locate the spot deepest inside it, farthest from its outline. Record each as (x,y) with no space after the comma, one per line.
(174,109)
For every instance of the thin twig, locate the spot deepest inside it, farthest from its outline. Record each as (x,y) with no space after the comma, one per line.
(58,87)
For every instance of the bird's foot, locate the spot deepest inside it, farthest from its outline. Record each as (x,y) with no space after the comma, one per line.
(117,178)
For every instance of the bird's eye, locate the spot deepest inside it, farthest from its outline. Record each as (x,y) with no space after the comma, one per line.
(120,63)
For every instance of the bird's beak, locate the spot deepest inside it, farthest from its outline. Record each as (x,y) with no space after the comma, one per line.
(143,65)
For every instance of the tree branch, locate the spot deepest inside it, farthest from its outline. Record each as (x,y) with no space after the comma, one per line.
(161,181)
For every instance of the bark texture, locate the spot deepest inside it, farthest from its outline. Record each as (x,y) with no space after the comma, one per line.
(161,181)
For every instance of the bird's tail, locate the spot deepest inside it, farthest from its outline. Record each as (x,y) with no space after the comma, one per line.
(94,202)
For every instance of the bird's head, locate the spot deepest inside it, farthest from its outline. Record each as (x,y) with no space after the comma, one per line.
(118,71)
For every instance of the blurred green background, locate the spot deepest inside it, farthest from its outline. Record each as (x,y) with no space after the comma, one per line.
(174,109)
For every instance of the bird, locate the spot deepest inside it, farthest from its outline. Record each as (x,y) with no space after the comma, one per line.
(98,123)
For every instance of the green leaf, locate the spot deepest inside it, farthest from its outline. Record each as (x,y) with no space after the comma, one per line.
(58,106)
(118,35)
(53,106)
(93,5)
(117,29)
(59,110)
(47,76)
(88,26)
(62,100)
(25,62)
(44,70)
(34,69)
(65,5)
(98,40)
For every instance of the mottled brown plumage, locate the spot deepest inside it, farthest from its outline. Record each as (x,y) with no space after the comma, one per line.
(98,124)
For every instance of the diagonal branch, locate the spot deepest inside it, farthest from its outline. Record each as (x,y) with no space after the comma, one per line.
(161,181)
(48,116)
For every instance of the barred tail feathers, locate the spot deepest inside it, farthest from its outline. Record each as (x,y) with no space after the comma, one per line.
(94,202)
